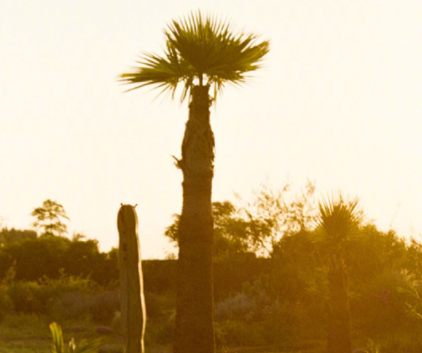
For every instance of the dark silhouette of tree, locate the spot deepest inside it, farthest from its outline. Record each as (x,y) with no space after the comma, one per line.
(232,233)
(48,218)
(81,257)
(339,221)
(35,258)
(12,235)
(200,53)
(274,214)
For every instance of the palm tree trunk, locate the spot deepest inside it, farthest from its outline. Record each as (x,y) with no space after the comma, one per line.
(339,310)
(194,331)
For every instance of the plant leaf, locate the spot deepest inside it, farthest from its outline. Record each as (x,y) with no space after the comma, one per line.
(198,48)
(56,332)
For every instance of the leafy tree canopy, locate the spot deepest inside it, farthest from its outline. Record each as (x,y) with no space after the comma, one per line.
(232,234)
(8,236)
(49,218)
(282,211)
(260,225)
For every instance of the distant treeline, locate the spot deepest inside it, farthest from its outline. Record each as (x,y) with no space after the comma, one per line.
(295,263)
(267,300)
(31,258)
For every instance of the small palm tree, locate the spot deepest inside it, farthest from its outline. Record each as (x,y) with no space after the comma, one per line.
(338,222)
(201,52)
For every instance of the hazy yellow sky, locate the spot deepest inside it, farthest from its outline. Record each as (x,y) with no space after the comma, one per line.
(339,102)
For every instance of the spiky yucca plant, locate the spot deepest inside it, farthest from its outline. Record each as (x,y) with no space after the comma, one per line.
(338,222)
(201,52)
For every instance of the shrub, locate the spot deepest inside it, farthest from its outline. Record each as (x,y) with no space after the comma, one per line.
(238,333)
(41,296)
(389,303)
(236,307)
(399,343)
(241,306)
(65,284)
(159,305)
(164,332)
(6,304)
(102,306)
(283,322)
(24,296)
(72,305)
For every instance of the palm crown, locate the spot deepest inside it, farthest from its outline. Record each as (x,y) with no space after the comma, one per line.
(199,48)
(339,219)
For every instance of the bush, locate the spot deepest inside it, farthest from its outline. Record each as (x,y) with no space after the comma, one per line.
(71,305)
(27,297)
(283,322)
(103,306)
(236,307)
(6,304)
(159,305)
(389,303)
(35,257)
(239,319)
(402,343)
(238,333)
(242,306)
(41,296)
(161,333)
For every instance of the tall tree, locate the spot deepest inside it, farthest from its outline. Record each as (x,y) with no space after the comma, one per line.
(49,218)
(338,222)
(232,234)
(200,52)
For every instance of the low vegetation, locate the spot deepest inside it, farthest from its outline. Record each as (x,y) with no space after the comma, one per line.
(276,301)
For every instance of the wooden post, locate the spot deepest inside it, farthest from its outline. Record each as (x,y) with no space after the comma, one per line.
(132,300)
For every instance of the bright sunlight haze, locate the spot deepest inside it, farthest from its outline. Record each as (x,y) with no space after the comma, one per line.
(338,102)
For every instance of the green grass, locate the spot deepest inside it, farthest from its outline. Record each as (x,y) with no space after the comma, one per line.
(30,333)
(29,347)
(24,326)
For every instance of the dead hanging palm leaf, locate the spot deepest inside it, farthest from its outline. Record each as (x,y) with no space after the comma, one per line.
(199,48)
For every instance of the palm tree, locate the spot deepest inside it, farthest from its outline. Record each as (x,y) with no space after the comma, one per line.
(200,52)
(338,222)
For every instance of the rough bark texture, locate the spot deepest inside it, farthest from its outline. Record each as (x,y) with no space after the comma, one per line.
(339,310)
(131,282)
(194,331)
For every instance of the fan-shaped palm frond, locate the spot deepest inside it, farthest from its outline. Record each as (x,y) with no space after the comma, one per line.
(338,219)
(199,48)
